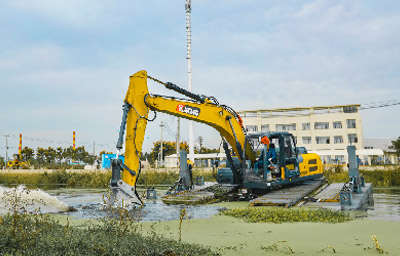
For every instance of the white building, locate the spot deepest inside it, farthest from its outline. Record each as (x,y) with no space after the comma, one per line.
(389,157)
(326,130)
(201,160)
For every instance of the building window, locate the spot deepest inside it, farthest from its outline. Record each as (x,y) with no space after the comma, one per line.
(306,140)
(352,138)
(351,123)
(351,109)
(322,139)
(306,126)
(265,128)
(321,125)
(252,128)
(285,127)
(337,125)
(339,159)
(280,127)
(337,139)
(290,127)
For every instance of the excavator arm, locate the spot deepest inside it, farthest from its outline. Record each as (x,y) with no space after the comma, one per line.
(137,104)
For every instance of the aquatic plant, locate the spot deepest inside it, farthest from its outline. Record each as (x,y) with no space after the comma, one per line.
(329,247)
(22,233)
(181,216)
(377,246)
(279,246)
(280,215)
(41,235)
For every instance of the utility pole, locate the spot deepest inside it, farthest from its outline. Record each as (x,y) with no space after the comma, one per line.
(161,146)
(94,148)
(6,136)
(189,58)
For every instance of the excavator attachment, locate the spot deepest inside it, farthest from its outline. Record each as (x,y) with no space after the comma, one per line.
(134,121)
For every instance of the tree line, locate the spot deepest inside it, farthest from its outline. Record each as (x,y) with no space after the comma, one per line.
(48,156)
(169,148)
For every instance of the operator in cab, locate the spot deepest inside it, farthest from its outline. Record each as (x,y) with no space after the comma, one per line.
(271,154)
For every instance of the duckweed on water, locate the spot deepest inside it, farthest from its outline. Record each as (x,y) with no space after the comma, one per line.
(281,215)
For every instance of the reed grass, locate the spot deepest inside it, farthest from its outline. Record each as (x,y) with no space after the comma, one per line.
(62,177)
(378,177)
(148,177)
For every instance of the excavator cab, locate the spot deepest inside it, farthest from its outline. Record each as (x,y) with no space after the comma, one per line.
(16,158)
(281,168)
(287,155)
(285,162)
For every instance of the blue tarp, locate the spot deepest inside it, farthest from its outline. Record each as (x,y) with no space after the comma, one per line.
(106,160)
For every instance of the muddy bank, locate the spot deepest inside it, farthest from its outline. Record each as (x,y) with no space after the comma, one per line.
(231,236)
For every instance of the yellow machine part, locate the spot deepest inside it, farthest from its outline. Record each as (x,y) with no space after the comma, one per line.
(209,114)
(141,102)
(311,165)
(135,124)
(18,164)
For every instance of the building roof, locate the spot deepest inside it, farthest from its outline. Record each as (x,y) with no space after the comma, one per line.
(379,143)
(298,108)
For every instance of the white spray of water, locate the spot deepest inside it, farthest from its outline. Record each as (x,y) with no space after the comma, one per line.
(21,199)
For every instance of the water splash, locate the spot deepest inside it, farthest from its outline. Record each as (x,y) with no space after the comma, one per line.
(22,199)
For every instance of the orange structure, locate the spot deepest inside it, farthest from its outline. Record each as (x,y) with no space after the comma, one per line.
(20,144)
(73,138)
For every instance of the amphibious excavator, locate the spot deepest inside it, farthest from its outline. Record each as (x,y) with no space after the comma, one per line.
(17,163)
(240,147)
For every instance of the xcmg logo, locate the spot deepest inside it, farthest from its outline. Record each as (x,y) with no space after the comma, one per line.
(188,109)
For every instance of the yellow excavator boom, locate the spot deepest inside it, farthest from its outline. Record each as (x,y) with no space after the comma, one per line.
(137,104)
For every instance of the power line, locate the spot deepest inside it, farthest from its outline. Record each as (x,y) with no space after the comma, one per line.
(381,104)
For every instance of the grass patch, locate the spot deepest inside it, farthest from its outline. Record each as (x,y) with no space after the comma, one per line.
(149,177)
(48,180)
(281,215)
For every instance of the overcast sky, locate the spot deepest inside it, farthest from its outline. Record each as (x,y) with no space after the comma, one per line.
(65,65)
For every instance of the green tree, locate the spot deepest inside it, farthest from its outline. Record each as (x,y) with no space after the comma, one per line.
(169,148)
(144,156)
(396,146)
(90,159)
(69,154)
(40,155)
(59,154)
(50,154)
(81,154)
(204,150)
(27,154)
(2,163)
